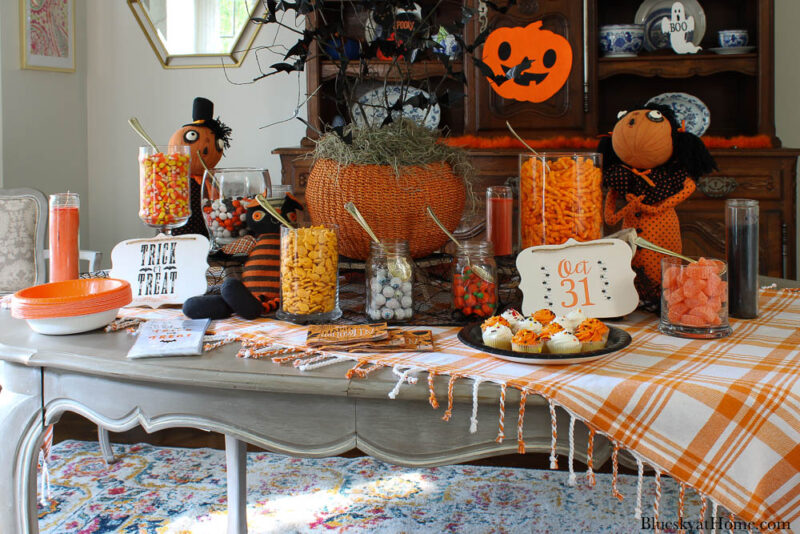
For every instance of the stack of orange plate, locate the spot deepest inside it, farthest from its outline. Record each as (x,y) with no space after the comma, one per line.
(71,306)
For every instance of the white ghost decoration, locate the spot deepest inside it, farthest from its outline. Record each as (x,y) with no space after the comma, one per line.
(678,27)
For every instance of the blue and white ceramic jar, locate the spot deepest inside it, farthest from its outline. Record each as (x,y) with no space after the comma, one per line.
(621,40)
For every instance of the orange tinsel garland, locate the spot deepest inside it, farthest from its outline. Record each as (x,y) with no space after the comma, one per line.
(474,141)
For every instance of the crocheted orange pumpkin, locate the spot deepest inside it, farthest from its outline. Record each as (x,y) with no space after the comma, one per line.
(539,60)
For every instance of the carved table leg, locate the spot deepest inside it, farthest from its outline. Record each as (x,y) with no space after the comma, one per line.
(21,431)
(105,445)
(236,459)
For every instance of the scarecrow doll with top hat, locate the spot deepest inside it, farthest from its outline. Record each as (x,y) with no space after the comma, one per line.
(208,138)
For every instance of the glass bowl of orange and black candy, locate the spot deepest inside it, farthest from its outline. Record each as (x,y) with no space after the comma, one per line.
(475,280)
(694,298)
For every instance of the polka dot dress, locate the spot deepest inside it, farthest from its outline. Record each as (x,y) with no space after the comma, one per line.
(656,221)
(195,224)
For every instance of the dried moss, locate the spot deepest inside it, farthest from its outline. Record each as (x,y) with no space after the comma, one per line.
(399,144)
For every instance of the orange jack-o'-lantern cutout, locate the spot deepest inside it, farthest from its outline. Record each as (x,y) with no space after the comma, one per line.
(201,139)
(642,138)
(543,61)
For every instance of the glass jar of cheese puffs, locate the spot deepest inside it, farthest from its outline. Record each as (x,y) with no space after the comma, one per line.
(310,274)
(560,197)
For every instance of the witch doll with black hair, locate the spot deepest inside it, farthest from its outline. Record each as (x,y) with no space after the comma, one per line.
(650,164)
(207,138)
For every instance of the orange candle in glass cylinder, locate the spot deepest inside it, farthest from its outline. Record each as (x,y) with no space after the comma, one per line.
(64,225)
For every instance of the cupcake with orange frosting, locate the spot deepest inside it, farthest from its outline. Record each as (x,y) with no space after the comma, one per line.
(592,334)
(494,321)
(548,332)
(544,316)
(526,341)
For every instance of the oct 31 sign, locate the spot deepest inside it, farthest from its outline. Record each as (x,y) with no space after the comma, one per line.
(593,276)
(162,270)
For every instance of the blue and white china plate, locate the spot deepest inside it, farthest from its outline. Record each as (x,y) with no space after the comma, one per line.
(733,50)
(374,103)
(687,108)
(650,14)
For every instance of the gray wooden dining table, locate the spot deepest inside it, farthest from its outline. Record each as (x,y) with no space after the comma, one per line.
(319,413)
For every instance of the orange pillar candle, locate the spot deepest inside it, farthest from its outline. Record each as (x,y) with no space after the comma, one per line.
(64,224)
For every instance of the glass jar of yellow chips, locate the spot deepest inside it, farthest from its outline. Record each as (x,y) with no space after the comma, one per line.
(309,274)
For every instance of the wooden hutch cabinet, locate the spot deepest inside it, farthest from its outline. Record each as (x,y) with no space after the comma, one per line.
(738,90)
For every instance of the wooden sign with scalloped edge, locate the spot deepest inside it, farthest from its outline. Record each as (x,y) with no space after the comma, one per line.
(593,276)
(162,270)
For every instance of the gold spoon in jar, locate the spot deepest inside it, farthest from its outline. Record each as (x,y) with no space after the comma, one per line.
(644,243)
(477,269)
(397,266)
(139,129)
(272,211)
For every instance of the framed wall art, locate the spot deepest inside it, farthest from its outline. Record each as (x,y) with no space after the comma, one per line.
(47,34)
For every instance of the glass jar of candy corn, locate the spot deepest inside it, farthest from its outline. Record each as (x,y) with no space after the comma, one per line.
(694,298)
(560,197)
(227,193)
(474,280)
(164,186)
(309,274)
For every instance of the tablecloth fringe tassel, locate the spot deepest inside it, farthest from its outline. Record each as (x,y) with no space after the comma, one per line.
(473,420)
(572,480)
(450,385)
(431,391)
(681,503)
(553,435)
(615,472)
(639,484)
(703,510)
(523,397)
(657,501)
(501,432)
(405,376)
(321,361)
(590,458)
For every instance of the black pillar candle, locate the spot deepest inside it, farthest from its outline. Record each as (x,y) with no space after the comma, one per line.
(741,246)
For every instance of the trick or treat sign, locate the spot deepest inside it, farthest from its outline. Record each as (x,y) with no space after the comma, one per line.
(595,277)
(162,270)
(527,63)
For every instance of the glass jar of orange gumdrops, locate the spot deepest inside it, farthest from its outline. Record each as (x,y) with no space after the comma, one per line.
(560,197)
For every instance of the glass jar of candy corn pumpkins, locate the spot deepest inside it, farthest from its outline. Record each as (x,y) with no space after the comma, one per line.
(694,298)
(474,280)
(309,274)
(226,195)
(389,278)
(164,186)
(560,197)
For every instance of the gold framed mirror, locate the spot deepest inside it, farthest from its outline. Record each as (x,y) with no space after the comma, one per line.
(198,33)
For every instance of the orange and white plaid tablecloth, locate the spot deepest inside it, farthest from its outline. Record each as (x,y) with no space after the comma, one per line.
(719,416)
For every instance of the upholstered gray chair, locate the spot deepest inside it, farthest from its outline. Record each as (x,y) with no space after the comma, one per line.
(23,220)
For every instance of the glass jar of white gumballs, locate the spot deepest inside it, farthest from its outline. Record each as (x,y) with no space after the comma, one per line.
(390,274)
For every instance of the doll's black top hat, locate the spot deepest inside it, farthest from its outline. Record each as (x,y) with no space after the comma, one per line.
(203,115)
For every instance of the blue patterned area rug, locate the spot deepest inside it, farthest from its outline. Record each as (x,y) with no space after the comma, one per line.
(170,490)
